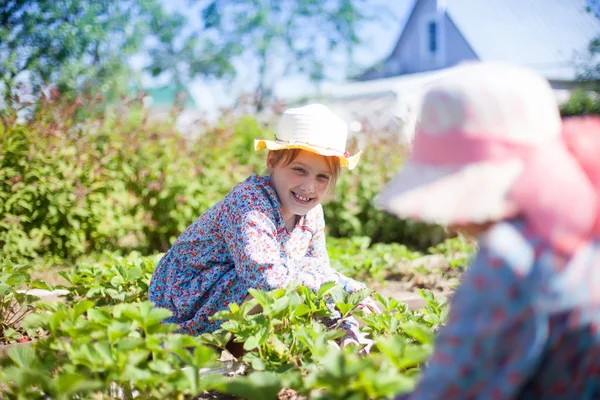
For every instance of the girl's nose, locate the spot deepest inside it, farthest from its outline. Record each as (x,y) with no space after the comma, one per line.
(308,186)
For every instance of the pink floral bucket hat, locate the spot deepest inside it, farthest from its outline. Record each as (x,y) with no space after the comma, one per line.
(490,144)
(313,128)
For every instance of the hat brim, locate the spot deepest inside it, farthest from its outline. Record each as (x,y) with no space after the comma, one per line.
(473,193)
(347,162)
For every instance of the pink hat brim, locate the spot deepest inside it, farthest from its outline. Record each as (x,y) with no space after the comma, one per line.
(473,193)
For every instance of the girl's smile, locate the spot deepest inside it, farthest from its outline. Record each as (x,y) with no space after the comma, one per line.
(300,185)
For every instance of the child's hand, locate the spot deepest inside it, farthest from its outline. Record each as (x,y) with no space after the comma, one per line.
(354,337)
(369,305)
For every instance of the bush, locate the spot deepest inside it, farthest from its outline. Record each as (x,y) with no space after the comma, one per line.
(57,197)
(351,212)
(16,302)
(581,103)
(73,182)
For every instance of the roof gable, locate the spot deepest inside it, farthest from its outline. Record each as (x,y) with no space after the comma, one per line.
(546,35)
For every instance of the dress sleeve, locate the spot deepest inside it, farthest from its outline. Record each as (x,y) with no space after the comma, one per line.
(256,251)
(494,335)
(317,255)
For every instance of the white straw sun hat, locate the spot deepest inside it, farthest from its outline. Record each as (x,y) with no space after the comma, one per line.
(313,128)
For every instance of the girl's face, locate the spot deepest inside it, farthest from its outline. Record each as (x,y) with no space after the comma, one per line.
(301,184)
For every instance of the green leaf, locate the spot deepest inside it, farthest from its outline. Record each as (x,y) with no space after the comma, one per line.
(414,355)
(136,357)
(23,356)
(258,364)
(426,294)
(118,330)
(36,320)
(251,343)
(259,385)
(219,338)
(117,281)
(160,366)
(99,315)
(134,273)
(203,356)
(38,284)
(81,307)
(17,279)
(344,308)
(104,352)
(69,384)
(263,298)
(418,332)
(135,374)
(156,316)
(325,288)
(358,296)
(4,289)
(301,310)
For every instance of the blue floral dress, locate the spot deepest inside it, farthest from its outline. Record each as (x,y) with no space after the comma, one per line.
(524,324)
(240,243)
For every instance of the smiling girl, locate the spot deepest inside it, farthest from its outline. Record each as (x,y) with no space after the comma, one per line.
(266,233)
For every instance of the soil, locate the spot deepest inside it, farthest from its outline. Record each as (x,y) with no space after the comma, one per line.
(431,272)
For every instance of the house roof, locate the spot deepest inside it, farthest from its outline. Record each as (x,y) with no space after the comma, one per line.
(545,35)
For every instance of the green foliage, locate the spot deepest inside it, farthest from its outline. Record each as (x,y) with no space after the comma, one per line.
(122,350)
(456,250)
(121,181)
(118,352)
(308,31)
(83,45)
(581,103)
(288,346)
(356,258)
(114,281)
(15,301)
(58,195)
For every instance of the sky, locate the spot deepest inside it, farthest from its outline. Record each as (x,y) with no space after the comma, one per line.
(378,40)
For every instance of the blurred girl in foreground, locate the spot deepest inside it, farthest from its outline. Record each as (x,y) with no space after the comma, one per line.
(492,157)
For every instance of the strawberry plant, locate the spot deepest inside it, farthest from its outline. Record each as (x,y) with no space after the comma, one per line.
(113,281)
(358,258)
(123,351)
(289,344)
(16,302)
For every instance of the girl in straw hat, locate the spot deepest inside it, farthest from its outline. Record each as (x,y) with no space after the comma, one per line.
(267,232)
(491,157)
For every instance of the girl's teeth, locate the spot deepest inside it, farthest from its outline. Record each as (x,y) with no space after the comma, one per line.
(301,198)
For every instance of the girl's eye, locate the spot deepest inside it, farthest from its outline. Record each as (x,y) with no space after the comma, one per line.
(323,178)
(298,169)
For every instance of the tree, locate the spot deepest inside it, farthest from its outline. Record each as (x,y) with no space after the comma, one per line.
(306,32)
(589,63)
(85,45)
(78,45)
